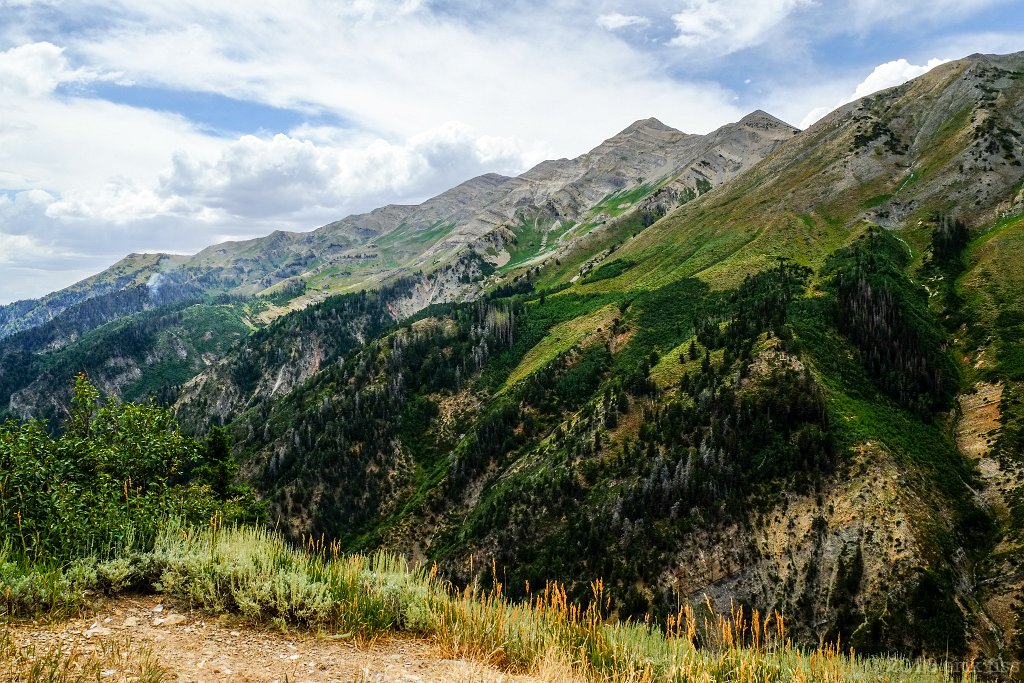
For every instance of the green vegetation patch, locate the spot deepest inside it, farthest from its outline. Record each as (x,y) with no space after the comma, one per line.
(608,271)
(561,338)
(618,202)
(108,481)
(532,239)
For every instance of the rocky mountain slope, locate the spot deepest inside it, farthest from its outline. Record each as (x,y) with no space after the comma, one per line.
(947,142)
(761,366)
(454,244)
(754,398)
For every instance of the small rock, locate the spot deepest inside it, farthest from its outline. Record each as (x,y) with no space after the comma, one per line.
(96,630)
(175,619)
(158,608)
(236,633)
(131,622)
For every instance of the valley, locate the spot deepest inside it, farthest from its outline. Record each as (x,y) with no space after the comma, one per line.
(761,369)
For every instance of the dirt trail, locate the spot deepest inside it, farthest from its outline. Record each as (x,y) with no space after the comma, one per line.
(202,649)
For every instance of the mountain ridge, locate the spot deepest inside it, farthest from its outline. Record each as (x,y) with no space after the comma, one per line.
(251,261)
(591,403)
(787,373)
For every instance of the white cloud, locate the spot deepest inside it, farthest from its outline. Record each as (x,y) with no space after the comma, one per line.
(36,69)
(120,201)
(68,144)
(33,70)
(892,74)
(286,178)
(883,76)
(400,74)
(724,26)
(15,249)
(615,21)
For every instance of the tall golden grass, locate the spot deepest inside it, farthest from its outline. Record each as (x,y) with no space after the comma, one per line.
(254,573)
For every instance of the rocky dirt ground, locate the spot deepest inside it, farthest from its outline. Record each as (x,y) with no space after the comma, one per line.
(201,649)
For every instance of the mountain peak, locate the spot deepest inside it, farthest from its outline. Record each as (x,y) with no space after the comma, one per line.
(759,117)
(646,124)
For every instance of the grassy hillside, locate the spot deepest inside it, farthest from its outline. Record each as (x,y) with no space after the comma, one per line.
(798,393)
(755,397)
(948,141)
(511,429)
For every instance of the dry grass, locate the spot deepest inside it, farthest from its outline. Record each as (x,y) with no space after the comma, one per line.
(110,660)
(253,573)
(559,641)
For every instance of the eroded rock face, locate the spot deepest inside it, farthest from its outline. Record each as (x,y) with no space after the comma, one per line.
(868,519)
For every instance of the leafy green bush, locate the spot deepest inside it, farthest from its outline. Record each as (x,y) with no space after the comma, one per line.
(104,485)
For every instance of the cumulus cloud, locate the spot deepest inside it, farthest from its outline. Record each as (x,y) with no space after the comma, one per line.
(37,69)
(725,26)
(883,76)
(34,69)
(615,21)
(892,74)
(283,176)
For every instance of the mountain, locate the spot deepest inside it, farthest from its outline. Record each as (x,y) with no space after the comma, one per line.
(133,271)
(776,368)
(486,226)
(787,391)
(947,142)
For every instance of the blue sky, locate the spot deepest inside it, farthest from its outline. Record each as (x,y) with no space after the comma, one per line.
(169,125)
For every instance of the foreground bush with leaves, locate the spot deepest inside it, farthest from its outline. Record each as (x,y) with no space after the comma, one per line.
(103,486)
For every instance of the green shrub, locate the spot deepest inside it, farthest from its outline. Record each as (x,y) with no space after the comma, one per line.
(106,483)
